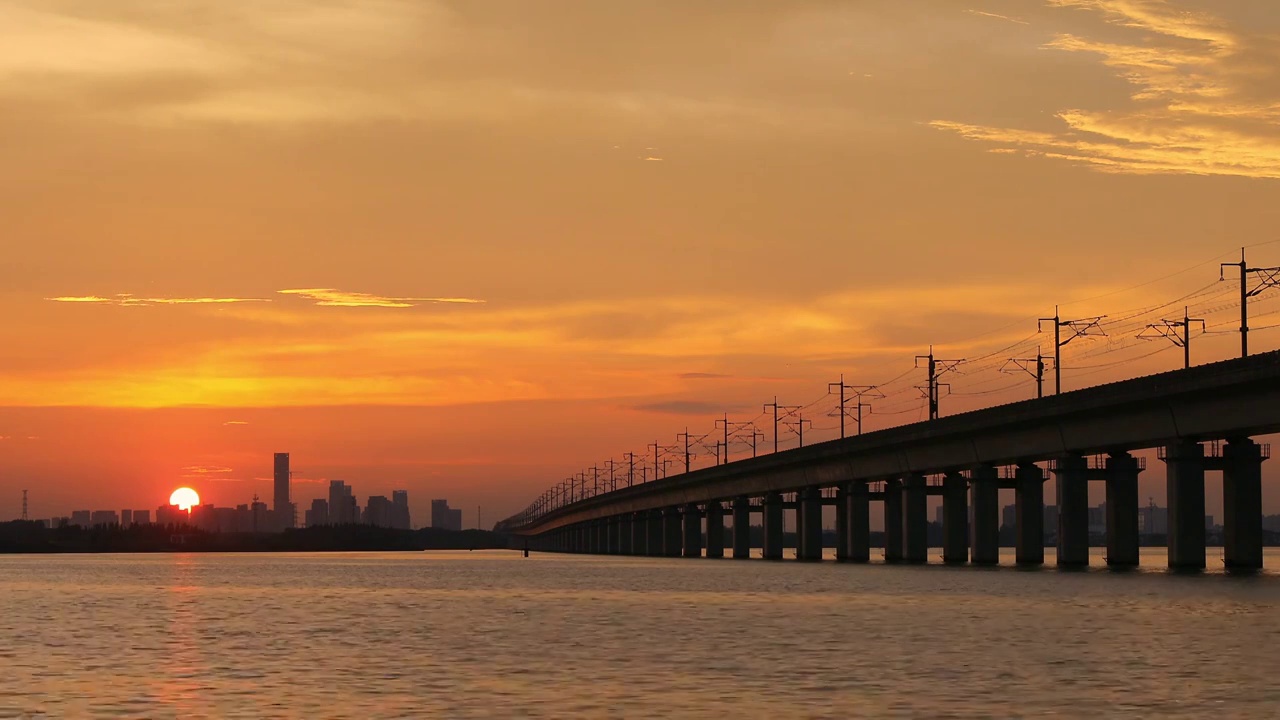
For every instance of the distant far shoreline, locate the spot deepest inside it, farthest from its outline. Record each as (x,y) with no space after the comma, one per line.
(33,538)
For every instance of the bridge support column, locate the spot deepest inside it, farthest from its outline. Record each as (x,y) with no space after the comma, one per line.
(741,527)
(655,524)
(842,523)
(692,531)
(1242,504)
(893,520)
(809,534)
(773,526)
(984,496)
(1029,511)
(1122,510)
(600,537)
(715,530)
(1184,475)
(1073,511)
(672,535)
(859,512)
(639,530)
(612,528)
(625,536)
(915,519)
(955,519)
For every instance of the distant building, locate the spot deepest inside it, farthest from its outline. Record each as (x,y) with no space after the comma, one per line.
(282,505)
(104,517)
(142,517)
(342,504)
(318,514)
(445,518)
(378,511)
(81,518)
(126,518)
(1009,516)
(400,510)
(261,517)
(1098,519)
(171,515)
(1153,519)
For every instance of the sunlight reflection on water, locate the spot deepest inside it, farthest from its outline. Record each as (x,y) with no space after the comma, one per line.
(493,634)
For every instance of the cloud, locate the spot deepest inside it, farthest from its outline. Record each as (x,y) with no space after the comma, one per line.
(1199,103)
(338,298)
(194,471)
(998,17)
(703,376)
(128,300)
(652,158)
(683,407)
(235,422)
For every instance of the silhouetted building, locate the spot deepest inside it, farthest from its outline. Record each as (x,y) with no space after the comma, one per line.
(281,504)
(342,504)
(81,518)
(1009,516)
(171,515)
(400,510)
(262,520)
(378,511)
(1153,519)
(104,517)
(443,517)
(318,514)
(142,517)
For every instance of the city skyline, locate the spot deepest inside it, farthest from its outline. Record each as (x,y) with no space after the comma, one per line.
(500,263)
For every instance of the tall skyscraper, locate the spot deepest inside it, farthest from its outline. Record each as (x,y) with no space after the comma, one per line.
(445,518)
(342,504)
(400,510)
(281,505)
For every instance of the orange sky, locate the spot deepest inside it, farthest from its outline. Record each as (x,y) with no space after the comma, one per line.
(468,248)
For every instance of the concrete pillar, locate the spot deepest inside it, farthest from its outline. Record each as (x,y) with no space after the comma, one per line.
(773,526)
(859,522)
(809,535)
(692,531)
(715,530)
(1242,504)
(893,521)
(625,535)
(1029,508)
(612,528)
(915,519)
(1122,510)
(1184,473)
(842,523)
(955,519)
(656,523)
(984,498)
(1073,511)
(741,527)
(672,532)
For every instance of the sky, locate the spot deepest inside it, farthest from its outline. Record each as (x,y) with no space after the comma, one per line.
(469,248)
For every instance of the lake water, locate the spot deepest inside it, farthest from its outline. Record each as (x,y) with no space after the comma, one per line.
(458,634)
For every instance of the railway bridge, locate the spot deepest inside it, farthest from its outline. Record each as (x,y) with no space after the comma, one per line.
(1200,420)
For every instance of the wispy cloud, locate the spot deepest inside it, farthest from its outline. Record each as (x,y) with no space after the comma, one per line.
(340,298)
(129,300)
(654,158)
(235,422)
(997,16)
(682,407)
(193,471)
(1199,103)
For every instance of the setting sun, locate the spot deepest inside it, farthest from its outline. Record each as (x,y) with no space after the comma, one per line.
(185,498)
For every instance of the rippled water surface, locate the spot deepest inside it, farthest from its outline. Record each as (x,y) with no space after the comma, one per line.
(497,635)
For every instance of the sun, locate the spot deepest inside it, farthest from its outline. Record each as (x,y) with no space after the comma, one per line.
(185,498)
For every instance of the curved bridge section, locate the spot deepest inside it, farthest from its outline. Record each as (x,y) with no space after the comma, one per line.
(971,456)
